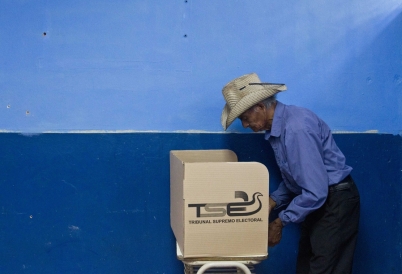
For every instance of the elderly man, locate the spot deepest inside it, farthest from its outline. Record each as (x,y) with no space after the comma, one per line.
(316,189)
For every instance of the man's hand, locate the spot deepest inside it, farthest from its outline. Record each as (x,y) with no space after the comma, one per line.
(275,232)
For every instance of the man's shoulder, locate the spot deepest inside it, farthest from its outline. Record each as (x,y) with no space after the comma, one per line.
(297,112)
(297,109)
(298,118)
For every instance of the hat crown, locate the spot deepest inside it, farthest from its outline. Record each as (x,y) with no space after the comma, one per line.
(236,89)
(242,93)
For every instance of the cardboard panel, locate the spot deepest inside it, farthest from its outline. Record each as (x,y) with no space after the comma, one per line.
(225,206)
(176,198)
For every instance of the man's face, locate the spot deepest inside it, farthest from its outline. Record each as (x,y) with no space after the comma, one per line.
(256,118)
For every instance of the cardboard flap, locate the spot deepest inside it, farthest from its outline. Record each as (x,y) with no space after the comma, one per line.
(176,198)
(194,156)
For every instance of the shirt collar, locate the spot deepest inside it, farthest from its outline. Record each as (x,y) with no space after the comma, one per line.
(277,122)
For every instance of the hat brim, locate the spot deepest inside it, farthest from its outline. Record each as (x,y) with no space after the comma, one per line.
(228,116)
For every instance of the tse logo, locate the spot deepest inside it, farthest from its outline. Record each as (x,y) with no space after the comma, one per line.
(230,209)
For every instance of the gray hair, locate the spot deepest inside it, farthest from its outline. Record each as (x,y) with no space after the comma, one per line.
(266,102)
(269,101)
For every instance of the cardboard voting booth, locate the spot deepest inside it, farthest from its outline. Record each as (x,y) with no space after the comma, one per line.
(218,206)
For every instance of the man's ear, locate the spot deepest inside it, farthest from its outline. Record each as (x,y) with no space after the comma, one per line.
(260,106)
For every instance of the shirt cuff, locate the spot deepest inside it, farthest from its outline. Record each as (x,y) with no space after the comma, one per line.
(276,200)
(283,218)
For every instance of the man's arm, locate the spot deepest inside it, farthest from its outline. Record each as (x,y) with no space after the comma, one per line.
(272,205)
(282,195)
(275,227)
(304,155)
(275,232)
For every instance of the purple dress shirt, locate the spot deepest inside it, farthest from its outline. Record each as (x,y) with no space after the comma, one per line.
(308,158)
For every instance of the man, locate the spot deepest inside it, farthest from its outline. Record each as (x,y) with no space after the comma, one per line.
(317,189)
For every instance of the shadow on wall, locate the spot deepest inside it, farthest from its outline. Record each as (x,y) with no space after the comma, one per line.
(372,79)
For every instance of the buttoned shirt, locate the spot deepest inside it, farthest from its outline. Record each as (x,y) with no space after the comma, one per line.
(308,158)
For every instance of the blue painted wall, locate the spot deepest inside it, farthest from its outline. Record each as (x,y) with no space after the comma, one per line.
(99,203)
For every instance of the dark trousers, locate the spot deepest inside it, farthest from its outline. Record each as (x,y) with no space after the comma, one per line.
(328,235)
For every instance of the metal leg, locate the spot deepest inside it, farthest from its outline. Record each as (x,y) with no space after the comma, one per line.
(224,264)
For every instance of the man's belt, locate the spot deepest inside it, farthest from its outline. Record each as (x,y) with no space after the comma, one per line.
(342,185)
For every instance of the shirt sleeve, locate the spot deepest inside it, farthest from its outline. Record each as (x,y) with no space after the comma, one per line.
(282,195)
(305,161)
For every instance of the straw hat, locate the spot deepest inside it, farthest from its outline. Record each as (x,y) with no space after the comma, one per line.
(244,92)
